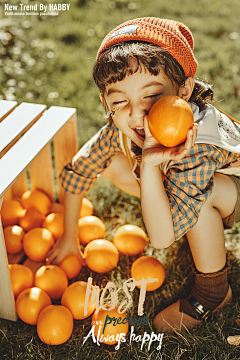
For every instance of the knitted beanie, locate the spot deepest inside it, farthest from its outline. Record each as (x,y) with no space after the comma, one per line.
(171,35)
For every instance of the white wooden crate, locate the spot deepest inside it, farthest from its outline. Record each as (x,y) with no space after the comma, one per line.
(26,132)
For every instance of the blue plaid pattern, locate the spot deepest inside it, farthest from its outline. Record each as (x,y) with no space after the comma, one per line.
(188,182)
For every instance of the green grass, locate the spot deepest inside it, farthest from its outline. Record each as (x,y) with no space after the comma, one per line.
(50,61)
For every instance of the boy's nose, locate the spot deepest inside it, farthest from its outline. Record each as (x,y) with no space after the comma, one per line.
(138,112)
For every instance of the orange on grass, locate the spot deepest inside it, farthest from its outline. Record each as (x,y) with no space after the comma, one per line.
(37,199)
(169,120)
(21,278)
(52,279)
(74,299)
(111,332)
(37,242)
(13,236)
(54,223)
(10,212)
(90,228)
(71,265)
(86,208)
(148,267)
(30,302)
(55,325)
(130,239)
(101,256)
(31,218)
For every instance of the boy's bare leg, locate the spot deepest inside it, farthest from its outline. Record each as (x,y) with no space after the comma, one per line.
(206,241)
(206,238)
(120,174)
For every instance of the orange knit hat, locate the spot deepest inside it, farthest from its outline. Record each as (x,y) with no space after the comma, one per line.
(171,35)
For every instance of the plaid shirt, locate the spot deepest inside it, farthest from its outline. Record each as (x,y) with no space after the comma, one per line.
(188,183)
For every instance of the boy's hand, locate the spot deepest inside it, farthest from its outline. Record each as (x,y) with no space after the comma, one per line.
(155,153)
(63,248)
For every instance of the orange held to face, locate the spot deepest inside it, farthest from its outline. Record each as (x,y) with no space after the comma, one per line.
(30,302)
(101,256)
(90,228)
(52,279)
(55,325)
(130,239)
(74,299)
(10,212)
(169,120)
(115,326)
(21,278)
(37,242)
(148,267)
(13,236)
(36,199)
(71,265)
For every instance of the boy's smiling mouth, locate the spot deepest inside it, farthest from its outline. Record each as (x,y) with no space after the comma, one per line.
(139,131)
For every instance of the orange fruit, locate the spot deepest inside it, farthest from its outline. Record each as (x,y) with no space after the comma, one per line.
(37,242)
(90,228)
(86,208)
(71,265)
(111,332)
(36,199)
(10,212)
(55,325)
(13,236)
(30,219)
(52,279)
(169,120)
(21,278)
(54,223)
(130,239)
(101,256)
(148,267)
(30,302)
(74,299)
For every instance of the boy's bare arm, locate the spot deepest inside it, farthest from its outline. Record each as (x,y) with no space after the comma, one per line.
(155,207)
(68,242)
(155,204)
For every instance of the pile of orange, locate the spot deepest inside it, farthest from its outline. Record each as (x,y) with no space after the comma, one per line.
(30,225)
(169,120)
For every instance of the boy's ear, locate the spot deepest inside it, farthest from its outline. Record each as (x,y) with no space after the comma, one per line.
(103,101)
(186,90)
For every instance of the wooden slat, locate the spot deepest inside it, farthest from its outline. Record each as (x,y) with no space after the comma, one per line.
(34,141)
(65,147)
(7,301)
(8,194)
(18,122)
(41,172)
(6,107)
(19,186)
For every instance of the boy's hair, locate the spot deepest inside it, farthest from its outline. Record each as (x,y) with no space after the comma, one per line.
(113,65)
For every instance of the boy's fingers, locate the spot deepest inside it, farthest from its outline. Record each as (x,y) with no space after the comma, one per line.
(146,128)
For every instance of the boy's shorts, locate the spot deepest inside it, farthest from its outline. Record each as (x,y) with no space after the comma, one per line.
(235,216)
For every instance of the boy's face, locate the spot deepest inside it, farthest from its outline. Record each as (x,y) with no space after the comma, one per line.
(132,98)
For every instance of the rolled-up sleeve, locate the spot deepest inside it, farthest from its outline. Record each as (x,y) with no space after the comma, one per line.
(90,161)
(189,183)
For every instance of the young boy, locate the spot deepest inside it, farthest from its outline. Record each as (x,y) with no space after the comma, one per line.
(138,63)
